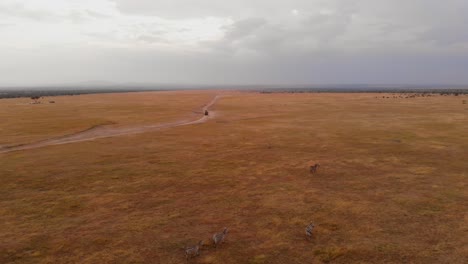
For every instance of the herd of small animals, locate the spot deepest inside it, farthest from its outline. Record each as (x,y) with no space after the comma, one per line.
(218,238)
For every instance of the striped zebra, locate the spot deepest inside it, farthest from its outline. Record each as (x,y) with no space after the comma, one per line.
(309,230)
(193,251)
(218,238)
(313,169)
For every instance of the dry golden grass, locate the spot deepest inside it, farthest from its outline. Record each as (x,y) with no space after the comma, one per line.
(392,186)
(23,122)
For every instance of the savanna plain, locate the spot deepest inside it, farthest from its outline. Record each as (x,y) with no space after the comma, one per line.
(391,186)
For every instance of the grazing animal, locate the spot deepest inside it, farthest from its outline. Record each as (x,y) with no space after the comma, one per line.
(313,169)
(193,251)
(309,230)
(218,238)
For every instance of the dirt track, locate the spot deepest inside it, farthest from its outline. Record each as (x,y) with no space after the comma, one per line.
(104,131)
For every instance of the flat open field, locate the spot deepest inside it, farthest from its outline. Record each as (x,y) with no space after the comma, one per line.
(392,186)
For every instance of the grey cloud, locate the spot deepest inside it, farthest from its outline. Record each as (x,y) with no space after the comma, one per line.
(171,8)
(19,10)
(78,16)
(357,25)
(243,28)
(451,26)
(440,22)
(326,27)
(262,36)
(176,9)
(325,41)
(251,34)
(152,39)
(238,9)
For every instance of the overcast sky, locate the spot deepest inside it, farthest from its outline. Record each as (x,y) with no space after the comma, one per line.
(234,41)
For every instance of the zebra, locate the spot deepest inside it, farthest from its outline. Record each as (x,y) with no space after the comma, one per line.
(218,238)
(193,251)
(313,169)
(308,230)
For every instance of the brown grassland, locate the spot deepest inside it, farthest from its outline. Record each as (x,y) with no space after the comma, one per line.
(392,186)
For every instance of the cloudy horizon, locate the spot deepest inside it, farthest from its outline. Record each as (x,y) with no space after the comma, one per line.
(257,42)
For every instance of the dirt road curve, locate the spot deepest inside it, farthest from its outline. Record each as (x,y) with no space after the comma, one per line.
(108,131)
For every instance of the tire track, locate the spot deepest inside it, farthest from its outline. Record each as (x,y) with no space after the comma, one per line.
(100,131)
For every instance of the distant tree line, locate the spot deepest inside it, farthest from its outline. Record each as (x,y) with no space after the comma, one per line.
(38,93)
(440,91)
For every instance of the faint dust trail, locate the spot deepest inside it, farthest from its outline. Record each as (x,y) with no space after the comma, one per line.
(105,131)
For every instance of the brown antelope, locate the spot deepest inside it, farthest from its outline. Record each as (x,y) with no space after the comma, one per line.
(313,169)
(193,251)
(218,238)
